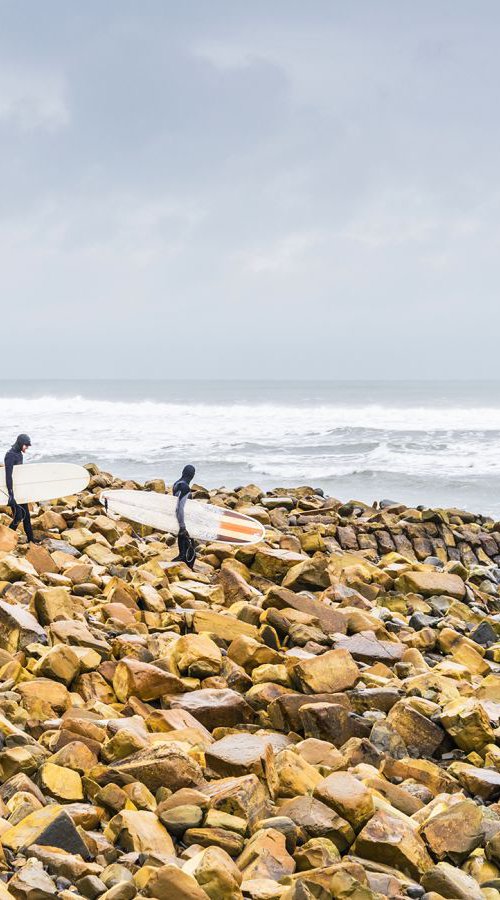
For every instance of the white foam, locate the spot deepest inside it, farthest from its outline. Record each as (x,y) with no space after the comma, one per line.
(294,442)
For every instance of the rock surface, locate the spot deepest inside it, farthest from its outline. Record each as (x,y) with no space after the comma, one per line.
(314,717)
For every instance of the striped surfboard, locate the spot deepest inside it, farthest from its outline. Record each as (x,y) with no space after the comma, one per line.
(203,521)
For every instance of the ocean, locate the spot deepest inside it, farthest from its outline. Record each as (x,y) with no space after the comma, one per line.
(431,443)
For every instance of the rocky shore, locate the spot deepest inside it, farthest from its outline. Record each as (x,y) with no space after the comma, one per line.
(313,717)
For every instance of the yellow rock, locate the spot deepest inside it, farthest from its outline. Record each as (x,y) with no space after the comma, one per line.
(56,603)
(61,783)
(216,873)
(468,724)
(143,680)
(170,883)
(139,831)
(295,776)
(390,840)
(330,672)
(197,656)
(430,584)
(348,797)
(13,568)
(60,663)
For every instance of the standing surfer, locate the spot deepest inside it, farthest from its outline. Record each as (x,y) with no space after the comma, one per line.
(182,490)
(20,511)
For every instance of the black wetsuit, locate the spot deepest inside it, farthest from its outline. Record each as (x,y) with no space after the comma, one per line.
(20,511)
(182,490)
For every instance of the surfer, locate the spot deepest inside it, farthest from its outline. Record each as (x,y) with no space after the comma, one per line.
(20,511)
(182,490)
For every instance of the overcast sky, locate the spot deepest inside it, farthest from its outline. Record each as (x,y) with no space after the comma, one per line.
(274,188)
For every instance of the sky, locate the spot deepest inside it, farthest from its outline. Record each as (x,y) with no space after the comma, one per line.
(274,189)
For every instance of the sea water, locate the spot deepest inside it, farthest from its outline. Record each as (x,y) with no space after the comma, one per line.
(432,443)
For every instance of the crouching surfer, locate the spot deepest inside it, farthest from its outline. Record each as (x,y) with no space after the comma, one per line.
(20,511)
(182,490)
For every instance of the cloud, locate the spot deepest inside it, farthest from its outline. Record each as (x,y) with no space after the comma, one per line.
(32,100)
(278,182)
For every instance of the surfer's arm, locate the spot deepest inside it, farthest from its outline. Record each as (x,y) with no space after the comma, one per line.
(9,465)
(181,502)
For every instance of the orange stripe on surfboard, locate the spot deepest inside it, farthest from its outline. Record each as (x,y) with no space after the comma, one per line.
(241,529)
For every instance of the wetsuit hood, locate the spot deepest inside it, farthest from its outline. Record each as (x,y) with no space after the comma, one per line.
(22,440)
(188,473)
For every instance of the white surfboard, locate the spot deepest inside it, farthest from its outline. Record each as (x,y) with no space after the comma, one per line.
(203,521)
(43,481)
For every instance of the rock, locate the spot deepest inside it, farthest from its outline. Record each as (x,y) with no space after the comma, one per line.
(333,671)
(32,883)
(214,708)
(54,695)
(390,840)
(210,730)
(133,678)
(222,838)
(274,564)
(455,833)
(366,647)
(197,656)
(480,782)
(319,820)
(181,818)
(8,539)
(60,782)
(140,831)
(62,864)
(50,826)
(237,754)
(348,797)
(310,574)
(18,627)
(431,583)
(244,797)
(420,734)
(467,722)
(266,856)
(13,568)
(161,766)
(60,663)
(250,654)
(316,854)
(55,603)
(450,882)
(216,873)
(225,626)
(171,883)
(294,776)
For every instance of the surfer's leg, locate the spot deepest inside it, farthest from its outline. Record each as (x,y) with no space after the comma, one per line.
(27,521)
(18,515)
